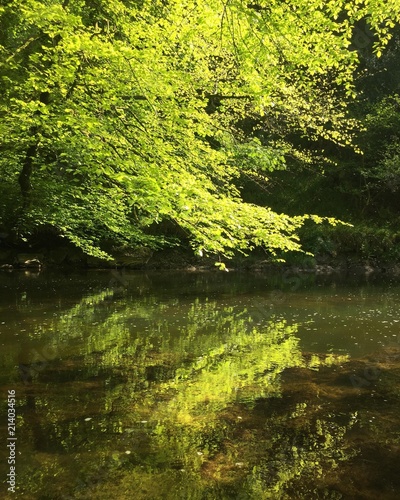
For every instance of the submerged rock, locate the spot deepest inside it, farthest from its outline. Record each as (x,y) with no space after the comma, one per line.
(32,263)
(6,267)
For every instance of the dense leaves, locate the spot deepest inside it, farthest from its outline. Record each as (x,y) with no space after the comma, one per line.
(117,116)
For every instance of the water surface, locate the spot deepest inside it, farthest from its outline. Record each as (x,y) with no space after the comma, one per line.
(201,385)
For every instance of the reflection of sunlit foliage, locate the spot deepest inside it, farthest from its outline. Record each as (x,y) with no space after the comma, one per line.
(160,398)
(247,366)
(302,458)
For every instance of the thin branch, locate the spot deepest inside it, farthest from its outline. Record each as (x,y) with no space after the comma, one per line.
(24,46)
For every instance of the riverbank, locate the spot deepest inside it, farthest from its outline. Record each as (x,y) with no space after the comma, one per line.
(65,257)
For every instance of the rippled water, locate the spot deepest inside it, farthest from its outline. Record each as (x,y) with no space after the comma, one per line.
(200,386)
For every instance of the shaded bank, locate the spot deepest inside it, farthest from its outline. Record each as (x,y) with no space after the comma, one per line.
(68,257)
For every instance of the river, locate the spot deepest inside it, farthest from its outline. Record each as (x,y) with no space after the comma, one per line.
(190,385)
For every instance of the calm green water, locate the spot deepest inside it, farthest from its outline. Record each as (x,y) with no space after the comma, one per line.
(200,386)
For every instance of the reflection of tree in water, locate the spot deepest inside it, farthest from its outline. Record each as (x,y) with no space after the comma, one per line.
(203,407)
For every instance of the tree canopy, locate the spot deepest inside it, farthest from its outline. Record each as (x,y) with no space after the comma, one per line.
(117,116)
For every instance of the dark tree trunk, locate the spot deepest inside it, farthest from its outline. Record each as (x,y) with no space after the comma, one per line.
(25,175)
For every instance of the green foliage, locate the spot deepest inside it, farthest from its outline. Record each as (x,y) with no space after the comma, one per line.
(382,143)
(118,116)
(359,242)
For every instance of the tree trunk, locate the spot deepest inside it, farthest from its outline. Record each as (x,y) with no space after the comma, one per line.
(25,175)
